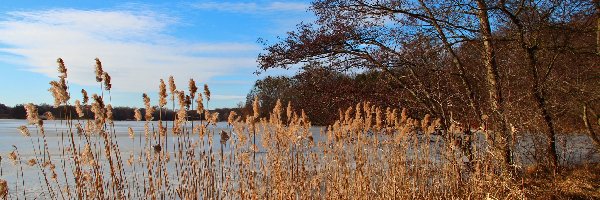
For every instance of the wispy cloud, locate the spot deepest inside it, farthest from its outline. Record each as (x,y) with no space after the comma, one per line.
(241,7)
(134,46)
(228,97)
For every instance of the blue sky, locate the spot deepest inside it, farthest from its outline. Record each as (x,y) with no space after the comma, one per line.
(213,42)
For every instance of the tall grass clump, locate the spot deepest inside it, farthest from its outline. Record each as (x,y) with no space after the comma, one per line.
(370,152)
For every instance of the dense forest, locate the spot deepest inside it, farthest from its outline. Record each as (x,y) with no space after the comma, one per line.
(510,66)
(118,113)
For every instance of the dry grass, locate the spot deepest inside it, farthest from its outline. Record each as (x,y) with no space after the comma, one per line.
(369,153)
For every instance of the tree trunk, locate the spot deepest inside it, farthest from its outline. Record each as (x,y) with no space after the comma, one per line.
(536,89)
(457,63)
(540,100)
(493,78)
(597,5)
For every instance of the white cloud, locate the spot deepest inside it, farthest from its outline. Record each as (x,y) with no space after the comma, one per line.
(228,97)
(133,47)
(240,7)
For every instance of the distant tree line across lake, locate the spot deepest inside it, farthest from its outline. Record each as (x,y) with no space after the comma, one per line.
(120,113)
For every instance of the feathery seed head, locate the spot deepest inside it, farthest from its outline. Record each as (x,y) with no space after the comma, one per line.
(206,92)
(24,131)
(172,87)
(61,67)
(58,89)
(131,133)
(12,156)
(85,96)
(149,108)
(109,114)
(180,98)
(99,110)
(99,70)
(107,84)
(49,115)
(32,113)
(31,162)
(78,108)
(199,104)
(231,117)
(137,114)
(193,88)
(162,94)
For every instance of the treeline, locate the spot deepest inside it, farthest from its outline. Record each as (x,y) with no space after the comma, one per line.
(119,113)
(321,92)
(509,66)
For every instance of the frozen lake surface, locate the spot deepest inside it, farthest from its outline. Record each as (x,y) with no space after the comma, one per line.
(574,149)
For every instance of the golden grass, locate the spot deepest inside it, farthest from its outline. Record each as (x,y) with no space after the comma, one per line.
(369,153)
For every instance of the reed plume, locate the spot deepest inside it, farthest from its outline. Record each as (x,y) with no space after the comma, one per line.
(61,67)
(78,109)
(199,104)
(24,131)
(99,111)
(106,78)
(87,156)
(137,114)
(214,117)
(31,162)
(231,117)
(192,88)
(59,88)
(131,133)
(85,96)
(172,87)
(162,94)
(59,92)
(49,115)
(99,71)
(149,108)
(206,92)
(109,114)
(12,156)
(32,114)
(181,114)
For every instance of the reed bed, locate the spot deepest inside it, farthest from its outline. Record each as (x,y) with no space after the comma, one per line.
(369,153)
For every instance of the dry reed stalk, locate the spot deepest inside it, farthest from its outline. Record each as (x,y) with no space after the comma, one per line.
(369,152)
